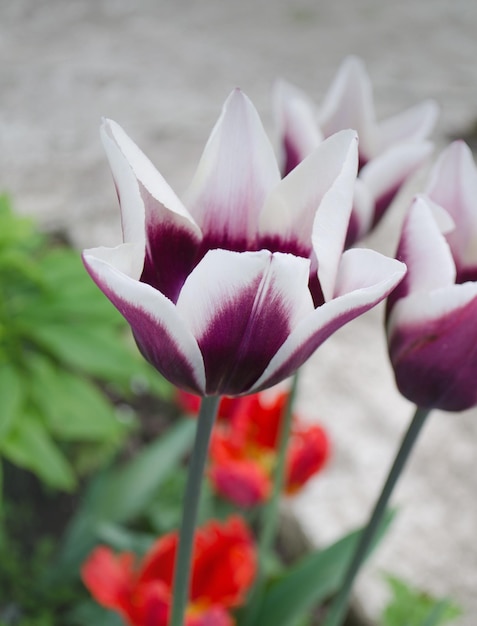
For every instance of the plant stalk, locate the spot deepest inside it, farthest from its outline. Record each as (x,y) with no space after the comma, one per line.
(337,612)
(182,573)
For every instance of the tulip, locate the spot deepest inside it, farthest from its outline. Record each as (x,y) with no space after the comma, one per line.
(244,449)
(390,151)
(232,290)
(431,319)
(223,569)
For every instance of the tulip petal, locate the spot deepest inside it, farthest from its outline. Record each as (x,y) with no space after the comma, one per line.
(162,335)
(297,124)
(385,174)
(117,144)
(110,579)
(428,258)
(349,104)
(308,451)
(413,124)
(225,563)
(332,218)
(151,214)
(235,174)
(152,604)
(241,308)
(289,213)
(242,481)
(362,215)
(453,185)
(212,616)
(433,347)
(364,279)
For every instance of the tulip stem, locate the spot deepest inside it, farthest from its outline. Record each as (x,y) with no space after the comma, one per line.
(182,573)
(337,612)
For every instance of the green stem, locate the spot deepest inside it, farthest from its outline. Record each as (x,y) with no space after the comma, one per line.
(337,612)
(182,574)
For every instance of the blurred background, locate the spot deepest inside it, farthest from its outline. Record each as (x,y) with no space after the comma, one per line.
(162,69)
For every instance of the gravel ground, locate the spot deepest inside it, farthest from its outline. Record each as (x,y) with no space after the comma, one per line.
(162,69)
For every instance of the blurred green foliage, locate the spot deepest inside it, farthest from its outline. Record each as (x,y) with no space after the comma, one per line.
(39,572)
(61,344)
(410,607)
(64,357)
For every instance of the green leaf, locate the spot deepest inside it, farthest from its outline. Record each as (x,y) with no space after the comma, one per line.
(413,607)
(81,309)
(311,581)
(29,445)
(72,408)
(133,486)
(14,230)
(60,264)
(96,351)
(70,293)
(11,398)
(440,613)
(124,540)
(120,494)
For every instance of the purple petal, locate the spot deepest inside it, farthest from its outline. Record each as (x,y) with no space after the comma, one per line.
(297,125)
(453,186)
(425,251)
(235,174)
(171,250)
(318,191)
(151,213)
(241,308)
(161,334)
(433,347)
(364,279)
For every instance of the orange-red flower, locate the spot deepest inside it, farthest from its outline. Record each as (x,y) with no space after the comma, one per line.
(243,448)
(224,566)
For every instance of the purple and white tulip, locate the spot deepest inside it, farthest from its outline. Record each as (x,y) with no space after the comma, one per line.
(230,291)
(432,315)
(390,151)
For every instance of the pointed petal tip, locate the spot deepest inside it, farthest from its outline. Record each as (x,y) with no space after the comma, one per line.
(355,62)
(107,125)
(458,148)
(432,106)
(443,219)
(347,136)
(111,131)
(238,104)
(237,97)
(353,68)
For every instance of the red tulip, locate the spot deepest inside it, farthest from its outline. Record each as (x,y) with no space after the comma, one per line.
(243,450)
(223,569)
